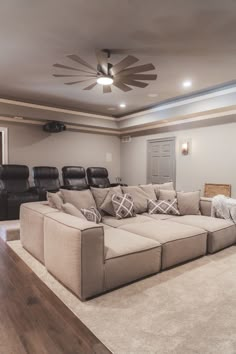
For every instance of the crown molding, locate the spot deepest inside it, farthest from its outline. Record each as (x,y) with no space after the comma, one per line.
(55,109)
(223,90)
(187,119)
(70,127)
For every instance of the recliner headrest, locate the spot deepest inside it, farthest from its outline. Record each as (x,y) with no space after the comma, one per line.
(14,172)
(73,172)
(97,172)
(45,172)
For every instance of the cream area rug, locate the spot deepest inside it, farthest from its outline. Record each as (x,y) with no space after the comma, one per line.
(189,309)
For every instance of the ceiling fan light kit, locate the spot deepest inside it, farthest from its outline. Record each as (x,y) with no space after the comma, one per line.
(105,80)
(121,75)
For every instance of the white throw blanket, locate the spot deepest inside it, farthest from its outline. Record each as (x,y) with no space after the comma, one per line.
(223,207)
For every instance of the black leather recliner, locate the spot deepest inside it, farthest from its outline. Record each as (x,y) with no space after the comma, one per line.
(98,177)
(15,190)
(46,179)
(74,177)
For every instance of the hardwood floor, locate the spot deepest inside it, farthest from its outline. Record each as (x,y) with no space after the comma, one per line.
(32,319)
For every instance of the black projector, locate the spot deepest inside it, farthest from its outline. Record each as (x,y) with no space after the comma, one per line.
(54,127)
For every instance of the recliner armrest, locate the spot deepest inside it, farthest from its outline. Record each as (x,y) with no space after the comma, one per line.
(75,188)
(3,204)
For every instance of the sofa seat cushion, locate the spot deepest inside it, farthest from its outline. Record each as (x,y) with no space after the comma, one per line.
(221,233)
(129,257)
(179,243)
(113,222)
(159,216)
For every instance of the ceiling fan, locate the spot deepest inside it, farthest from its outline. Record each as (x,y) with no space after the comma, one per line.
(121,75)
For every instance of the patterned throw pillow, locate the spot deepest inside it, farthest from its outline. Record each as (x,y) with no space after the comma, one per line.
(163,207)
(92,214)
(123,205)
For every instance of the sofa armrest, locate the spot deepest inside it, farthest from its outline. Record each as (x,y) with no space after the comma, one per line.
(3,204)
(205,206)
(74,253)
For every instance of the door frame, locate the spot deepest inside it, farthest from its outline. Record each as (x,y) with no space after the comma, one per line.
(173,139)
(4,132)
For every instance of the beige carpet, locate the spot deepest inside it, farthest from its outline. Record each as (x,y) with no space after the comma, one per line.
(188,309)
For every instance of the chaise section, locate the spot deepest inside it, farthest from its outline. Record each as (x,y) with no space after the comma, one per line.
(179,243)
(113,222)
(129,257)
(74,253)
(221,233)
(31,227)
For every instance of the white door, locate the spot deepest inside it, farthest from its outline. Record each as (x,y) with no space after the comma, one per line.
(161,161)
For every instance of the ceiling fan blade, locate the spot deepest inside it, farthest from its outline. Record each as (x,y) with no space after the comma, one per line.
(142,77)
(70,68)
(121,86)
(77,59)
(107,89)
(90,86)
(127,61)
(102,61)
(137,69)
(85,75)
(75,82)
(135,83)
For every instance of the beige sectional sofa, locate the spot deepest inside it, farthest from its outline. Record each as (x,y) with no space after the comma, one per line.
(90,259)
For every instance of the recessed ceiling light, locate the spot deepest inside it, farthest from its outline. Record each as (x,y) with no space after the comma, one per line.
(152,94)
(122,105)
(105,80)
(187,83)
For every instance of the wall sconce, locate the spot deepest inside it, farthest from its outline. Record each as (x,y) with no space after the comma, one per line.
(185,148)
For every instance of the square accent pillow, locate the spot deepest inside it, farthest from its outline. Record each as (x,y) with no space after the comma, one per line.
(55,200)
(140,198)
(189,203)
(149,190)
(164,186)
(163,207)
(92,214)
(80,199)
(167,194)
(72,210)
(123,205)
(107,205)
(99,195)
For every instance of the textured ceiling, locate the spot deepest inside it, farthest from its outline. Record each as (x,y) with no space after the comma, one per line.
(184,39)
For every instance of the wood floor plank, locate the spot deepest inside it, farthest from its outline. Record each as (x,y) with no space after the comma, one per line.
(33,319)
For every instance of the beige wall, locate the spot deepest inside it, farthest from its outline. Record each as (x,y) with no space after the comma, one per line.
(212,158)
(31,146)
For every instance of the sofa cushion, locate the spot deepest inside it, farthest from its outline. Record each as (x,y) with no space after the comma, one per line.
(179,244)
(129,257)
(167,194)
(107,205)
(72,210)
(120,243)
(80,199)
(149,190)
(163,207)
(113,222)
(189,203)
(92,214)
(139,196)
(159,216)
(221,233)
(123,205)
